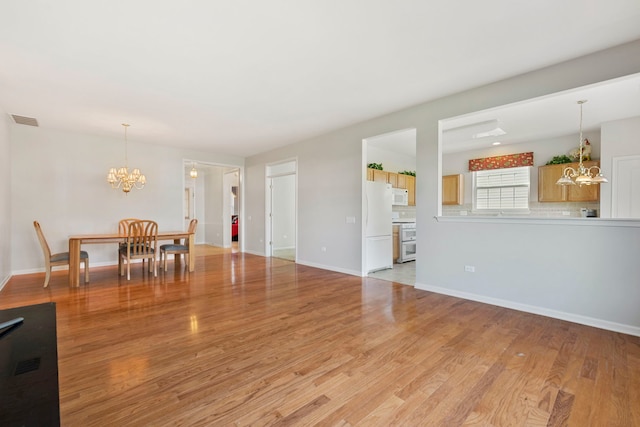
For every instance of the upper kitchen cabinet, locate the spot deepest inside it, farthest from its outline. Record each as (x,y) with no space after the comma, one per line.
(397,180)
(401,180)
(380,176)
(452,189)
(411,189)
(549,191)
(392,178)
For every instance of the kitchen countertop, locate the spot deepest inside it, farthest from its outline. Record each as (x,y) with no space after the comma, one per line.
(402,220)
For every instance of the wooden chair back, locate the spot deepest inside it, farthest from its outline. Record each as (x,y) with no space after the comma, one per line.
(123,225)
(43,242)
(193,224)
(62,258)
(142,238)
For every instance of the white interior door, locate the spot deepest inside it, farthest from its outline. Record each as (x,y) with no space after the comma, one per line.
(283,217)
(281,210)
(625,187)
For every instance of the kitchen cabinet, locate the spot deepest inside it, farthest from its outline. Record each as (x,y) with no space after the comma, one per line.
(402,181)
(396,242)
(392,178)
(453,189)
(397,180)
(549,191)
(380,176)
(411,188)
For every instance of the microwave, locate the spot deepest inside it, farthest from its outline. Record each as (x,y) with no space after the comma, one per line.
(400,197)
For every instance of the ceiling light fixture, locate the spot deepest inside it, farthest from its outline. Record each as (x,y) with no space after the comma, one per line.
(193,172)
(583,175)
(121,177)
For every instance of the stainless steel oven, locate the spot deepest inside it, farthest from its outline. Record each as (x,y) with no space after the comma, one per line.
(407,237)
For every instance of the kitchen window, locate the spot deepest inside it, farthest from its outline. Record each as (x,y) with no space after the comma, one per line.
(502,190)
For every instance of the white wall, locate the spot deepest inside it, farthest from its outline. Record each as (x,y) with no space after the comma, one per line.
(5,207)
(59,179)
(530,266)
(391,161)
(214,206)
(329,188)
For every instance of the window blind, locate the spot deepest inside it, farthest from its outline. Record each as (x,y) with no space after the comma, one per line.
(501,189)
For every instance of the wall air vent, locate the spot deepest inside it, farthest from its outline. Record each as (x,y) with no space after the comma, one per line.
(22,120)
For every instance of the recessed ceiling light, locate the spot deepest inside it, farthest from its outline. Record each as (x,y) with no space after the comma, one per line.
(496,143)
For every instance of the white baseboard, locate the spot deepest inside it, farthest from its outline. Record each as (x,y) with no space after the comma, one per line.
(262,254)
(4,282)
(570,317)
(92,264)
(330,268)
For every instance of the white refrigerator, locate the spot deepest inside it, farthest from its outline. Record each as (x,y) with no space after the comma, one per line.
(379,242)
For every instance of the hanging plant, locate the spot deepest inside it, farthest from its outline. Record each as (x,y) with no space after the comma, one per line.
(558,160)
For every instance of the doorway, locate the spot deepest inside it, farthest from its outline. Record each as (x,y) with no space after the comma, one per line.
(391,156)
(213,197)
(281,210)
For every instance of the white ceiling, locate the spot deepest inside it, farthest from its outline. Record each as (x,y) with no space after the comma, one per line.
(549,116)
(242,77)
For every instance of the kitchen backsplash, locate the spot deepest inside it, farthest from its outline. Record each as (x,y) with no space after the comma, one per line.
(537,210)
(405,211)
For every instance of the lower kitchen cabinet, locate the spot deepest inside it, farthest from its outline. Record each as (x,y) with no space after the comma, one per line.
(396,242)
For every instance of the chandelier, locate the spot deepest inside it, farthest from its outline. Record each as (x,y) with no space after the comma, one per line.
(583,175)
(122,178)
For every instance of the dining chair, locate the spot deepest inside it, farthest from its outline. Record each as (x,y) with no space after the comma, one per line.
(123,228)
(54,260)
(141,243)
(179,249)
(123,225)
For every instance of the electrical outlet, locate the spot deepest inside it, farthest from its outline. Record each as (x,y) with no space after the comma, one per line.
(351,220)
(566,213)
(323,249)
(469,269)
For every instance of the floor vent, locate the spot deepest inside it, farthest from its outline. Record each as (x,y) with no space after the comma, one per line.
(28,365)
(22,120)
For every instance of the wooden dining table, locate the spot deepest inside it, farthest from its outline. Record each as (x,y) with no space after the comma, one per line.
(76,241)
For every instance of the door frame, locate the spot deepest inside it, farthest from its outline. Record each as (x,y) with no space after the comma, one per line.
(270,173)
(199,199)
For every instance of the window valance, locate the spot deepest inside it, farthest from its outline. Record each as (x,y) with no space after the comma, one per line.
(501,162)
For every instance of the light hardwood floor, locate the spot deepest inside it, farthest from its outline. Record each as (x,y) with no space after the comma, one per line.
(246,340)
